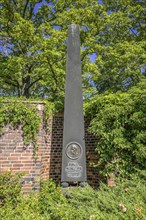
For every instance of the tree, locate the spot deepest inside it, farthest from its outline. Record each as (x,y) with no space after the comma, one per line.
(33,45)
(30,57)
(121,58)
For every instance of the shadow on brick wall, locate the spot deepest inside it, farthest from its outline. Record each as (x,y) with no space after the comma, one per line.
(56,148)
(91,157)
(56,152)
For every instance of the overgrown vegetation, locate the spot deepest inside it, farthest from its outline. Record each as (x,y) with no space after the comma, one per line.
(10,187)
(19,113)
(119,120)
(127,200)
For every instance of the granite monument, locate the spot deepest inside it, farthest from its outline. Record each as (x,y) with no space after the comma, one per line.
(73,152)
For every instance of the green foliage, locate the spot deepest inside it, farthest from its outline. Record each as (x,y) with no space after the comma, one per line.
(17,113)
(120,202)
(10,187)
(51,200)
(119,120)
(49,110)
(123,202)
(33,42)
(23,114)
(26,208)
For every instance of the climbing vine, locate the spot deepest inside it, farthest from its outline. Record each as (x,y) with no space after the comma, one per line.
(119,121)
(15,113)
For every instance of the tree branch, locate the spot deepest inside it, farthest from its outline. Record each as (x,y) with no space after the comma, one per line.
(10,83)
(34,82)
(54,75)
(14,2)
(84,55)
(31,10)
(25,8)
(133,32)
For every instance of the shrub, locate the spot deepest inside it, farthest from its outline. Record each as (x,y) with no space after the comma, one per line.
(10,186)
(51,199)
(125,201)
(119,120)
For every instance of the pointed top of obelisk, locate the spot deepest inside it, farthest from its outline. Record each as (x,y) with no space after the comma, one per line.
(73,29)
(73,25)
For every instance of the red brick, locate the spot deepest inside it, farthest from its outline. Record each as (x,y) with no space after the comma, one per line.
(18,165)
(49,152)
(3,158)
(6,165)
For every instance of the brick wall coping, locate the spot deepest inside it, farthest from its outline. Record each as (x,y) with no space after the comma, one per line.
(31,102)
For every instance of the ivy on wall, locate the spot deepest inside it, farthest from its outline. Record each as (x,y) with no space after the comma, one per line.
(119,121)
(16,112)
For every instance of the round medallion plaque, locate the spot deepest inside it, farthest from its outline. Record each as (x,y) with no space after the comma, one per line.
(73,151)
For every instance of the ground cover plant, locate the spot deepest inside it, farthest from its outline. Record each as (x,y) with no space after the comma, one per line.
(127,200)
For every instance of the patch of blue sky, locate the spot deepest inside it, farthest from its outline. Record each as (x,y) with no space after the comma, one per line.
(84,47)
(85,28)
(57,27)
(36,52)
(133,31)
(39,4)
(143,69)
(93,57)
(92,83)
(126,82)
(46,36)
(5,49)
(100,2)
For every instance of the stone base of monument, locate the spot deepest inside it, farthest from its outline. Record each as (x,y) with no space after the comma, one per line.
(83,184)
(66,184)
(67,188)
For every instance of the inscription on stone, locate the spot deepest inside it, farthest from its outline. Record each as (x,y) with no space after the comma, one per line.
(73,170)
(73,151)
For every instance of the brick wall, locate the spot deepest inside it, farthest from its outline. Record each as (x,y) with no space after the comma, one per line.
(15,156)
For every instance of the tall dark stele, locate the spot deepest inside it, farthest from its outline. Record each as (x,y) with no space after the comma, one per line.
(73,153)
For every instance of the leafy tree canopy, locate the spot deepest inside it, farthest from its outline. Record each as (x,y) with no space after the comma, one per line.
(33,45)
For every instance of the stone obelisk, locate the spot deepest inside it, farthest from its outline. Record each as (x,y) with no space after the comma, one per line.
(73,152)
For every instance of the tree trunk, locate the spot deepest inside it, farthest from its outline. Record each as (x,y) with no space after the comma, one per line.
(25,87)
